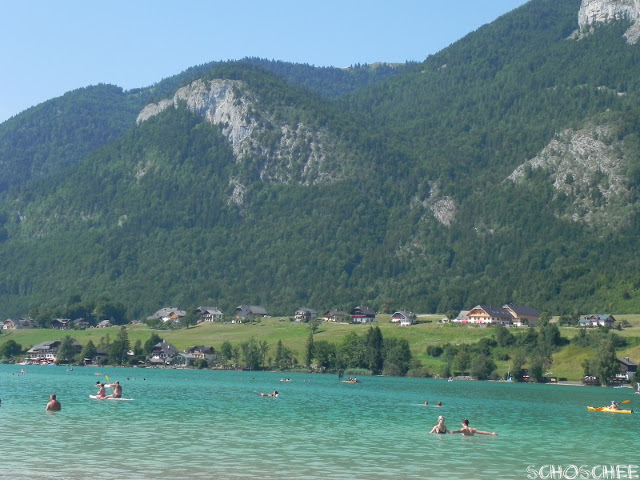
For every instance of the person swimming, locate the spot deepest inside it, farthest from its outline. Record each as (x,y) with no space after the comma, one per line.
(468,431)
(54,404)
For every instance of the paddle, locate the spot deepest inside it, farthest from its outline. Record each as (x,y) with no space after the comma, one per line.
(599,409)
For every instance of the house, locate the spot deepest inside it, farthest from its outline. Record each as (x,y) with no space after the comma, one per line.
(404,318)
(628,369)
(168,314)
(363,314)
(305,315)
(191,354)
(48,351)
(488,314)
(79,324)
(163,353)
(597,320)
(104,324)
(60,323)
(335,316)
(209,314)
(522,316)
(19,324)
(461,318)
(249,311)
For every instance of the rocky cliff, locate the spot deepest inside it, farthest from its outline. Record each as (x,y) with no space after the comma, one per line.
(280,151)
(587,167)
(594,12)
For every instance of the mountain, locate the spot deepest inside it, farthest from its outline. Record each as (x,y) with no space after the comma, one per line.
(504,168)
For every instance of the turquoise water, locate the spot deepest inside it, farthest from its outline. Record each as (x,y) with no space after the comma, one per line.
(213,424)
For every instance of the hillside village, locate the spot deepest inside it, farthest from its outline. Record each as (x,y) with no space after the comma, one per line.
(508,315)
(165,354)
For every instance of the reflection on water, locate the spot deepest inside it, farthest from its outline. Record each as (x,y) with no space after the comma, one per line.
(190,424)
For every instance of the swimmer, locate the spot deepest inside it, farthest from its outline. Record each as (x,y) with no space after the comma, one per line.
(53,405)
(468,431)
(440,427)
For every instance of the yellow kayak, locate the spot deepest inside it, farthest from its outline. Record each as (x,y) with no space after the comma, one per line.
(608,410)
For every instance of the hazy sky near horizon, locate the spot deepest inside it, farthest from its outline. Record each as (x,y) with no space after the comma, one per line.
(51,47)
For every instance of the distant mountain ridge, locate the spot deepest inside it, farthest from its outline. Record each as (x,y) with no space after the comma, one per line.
(505,168)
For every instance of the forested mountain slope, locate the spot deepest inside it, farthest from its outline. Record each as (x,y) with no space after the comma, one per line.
(502,169)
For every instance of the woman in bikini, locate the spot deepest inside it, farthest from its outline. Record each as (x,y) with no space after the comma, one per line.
(440,427)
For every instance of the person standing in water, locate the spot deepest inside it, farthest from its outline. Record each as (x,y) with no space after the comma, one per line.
(440,427)
(53,405)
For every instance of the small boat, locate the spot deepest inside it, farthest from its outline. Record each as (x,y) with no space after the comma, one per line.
(608,410)
(351,380)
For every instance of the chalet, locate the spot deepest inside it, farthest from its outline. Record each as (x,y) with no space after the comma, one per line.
(60,323)
(168,314)
(19,324)
(628,368)
(363,314)
(461,317)
(191,354)
(99,358)
(79,324)
(522,316)
(335,316)
(404,318)
(104,324)
(305,315)
(163,353)
(250,311)
(488,314)
(48,351)
(209,314)
(597,320)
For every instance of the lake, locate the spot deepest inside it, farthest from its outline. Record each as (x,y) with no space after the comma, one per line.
(214,424)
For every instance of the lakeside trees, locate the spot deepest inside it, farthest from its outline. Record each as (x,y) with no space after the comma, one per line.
(481,352)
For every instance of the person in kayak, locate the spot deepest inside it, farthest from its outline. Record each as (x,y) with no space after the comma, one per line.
(117,390)
(101,391)
(614,405)
(440,427)
(468,431)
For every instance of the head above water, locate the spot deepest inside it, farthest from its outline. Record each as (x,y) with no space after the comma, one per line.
(465,422)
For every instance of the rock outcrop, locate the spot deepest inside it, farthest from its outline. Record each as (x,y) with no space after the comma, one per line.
(593,12)
(587,167)
(277,151)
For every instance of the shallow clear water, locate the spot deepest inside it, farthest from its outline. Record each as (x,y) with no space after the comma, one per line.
(213,424)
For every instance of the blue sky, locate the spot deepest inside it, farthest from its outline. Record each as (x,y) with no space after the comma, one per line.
(50,47)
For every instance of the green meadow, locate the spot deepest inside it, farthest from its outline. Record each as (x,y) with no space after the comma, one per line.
(567,362)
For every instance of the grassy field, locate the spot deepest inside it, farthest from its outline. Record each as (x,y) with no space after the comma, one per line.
(567,362)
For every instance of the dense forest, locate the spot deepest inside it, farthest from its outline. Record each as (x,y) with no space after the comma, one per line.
(415,203)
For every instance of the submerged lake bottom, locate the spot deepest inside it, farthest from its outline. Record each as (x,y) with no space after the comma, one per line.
(184,424)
